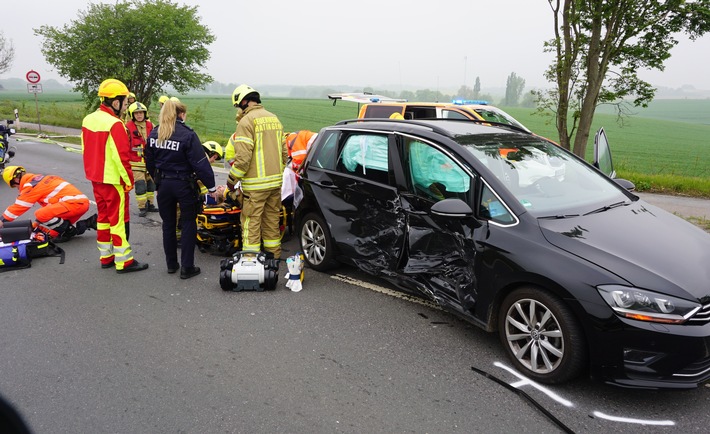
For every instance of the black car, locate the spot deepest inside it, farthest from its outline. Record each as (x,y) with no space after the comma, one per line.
(518,236)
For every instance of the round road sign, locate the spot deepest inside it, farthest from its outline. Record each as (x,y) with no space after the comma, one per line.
(33,76)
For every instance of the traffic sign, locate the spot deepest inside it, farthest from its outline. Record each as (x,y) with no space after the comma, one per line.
(33,76)
(34,88)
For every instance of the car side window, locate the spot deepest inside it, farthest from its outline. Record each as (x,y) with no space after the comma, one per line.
(365,156)
(434,174)
(452,114)
(492,208)
(325,156)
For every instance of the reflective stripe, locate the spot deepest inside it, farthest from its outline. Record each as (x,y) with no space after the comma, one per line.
(272,243)
(56,191)
(244,139)
(265,183)
(23,203)
(251,247)
(10,215)
(77,197)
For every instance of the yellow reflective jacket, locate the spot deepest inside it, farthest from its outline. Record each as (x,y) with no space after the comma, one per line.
(260,154)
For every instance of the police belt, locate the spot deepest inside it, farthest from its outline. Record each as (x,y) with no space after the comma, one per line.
(183,176)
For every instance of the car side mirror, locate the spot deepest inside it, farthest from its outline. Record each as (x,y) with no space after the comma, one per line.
(452,208)
(626,184)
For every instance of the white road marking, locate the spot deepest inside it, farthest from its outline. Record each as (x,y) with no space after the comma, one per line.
(524,381)
(601,415)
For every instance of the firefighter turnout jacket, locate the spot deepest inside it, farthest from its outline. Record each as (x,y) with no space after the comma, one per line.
(138,132)
(260,151)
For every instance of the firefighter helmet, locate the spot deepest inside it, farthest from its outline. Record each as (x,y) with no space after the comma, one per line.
(241,92)
(111,88)
(162,99)
(212,147)
(136,107)
(12,172)
(131,95)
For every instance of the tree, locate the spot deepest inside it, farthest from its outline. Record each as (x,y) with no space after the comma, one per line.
(7,53)
(477,88)
(599,46)
(147,44)
(513,89)
(465,92)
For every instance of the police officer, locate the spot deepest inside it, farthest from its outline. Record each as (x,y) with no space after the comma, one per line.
(176,160)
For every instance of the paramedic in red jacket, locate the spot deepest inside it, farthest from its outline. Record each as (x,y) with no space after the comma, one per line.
(104,141)
(61,203)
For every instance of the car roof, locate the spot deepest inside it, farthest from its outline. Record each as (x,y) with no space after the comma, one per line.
(446,127)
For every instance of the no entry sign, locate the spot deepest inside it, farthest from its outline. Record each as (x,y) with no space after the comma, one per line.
(33,76)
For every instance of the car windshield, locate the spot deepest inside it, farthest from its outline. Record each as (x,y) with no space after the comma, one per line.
(548,181)
(494,114)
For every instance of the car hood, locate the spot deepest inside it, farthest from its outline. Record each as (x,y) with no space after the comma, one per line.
(642,244)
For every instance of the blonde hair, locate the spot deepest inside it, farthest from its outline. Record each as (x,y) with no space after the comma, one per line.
(168,116)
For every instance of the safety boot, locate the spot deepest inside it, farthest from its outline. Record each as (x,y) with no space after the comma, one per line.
(142,212)
(65,232)
(86,224)
(151,207)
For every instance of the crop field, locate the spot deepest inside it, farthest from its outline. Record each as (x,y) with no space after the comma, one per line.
(671,138)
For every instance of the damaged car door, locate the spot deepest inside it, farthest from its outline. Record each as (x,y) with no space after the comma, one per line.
(354,188)
(441,252)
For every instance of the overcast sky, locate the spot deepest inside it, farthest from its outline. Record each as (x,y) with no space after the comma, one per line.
(399,44)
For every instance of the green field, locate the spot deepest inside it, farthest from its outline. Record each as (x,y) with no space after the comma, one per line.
(665,147)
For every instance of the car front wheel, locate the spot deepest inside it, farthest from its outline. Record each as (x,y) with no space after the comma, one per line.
(541,336)
(316,243)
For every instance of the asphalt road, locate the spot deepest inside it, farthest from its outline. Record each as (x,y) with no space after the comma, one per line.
(87,350)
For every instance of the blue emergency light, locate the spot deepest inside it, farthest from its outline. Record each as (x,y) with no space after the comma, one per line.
(469,101)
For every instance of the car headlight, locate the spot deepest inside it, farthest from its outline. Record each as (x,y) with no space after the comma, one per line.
(644,305)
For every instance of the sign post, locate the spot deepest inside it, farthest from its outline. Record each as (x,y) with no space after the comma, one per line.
(34,87)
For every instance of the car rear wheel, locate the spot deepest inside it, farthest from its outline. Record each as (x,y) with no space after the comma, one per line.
(316,243)
(541,336)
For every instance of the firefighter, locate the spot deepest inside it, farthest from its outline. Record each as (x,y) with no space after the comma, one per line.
(130,100)
(61,204)
(176,160)
(162,100)
(259,161)
(104,141)
(139,128)
(214,152)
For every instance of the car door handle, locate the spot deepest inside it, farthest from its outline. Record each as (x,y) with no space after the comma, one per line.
(325,184)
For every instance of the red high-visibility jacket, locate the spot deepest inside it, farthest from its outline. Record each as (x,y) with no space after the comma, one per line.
(104,141)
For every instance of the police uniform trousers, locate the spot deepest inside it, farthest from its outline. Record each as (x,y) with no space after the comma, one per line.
(171,194)
(260,216)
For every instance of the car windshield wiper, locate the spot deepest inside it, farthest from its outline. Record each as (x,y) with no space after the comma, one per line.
(558,216)
(608,207)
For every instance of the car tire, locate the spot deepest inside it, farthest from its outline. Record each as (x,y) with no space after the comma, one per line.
(316,243)
(541,336)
